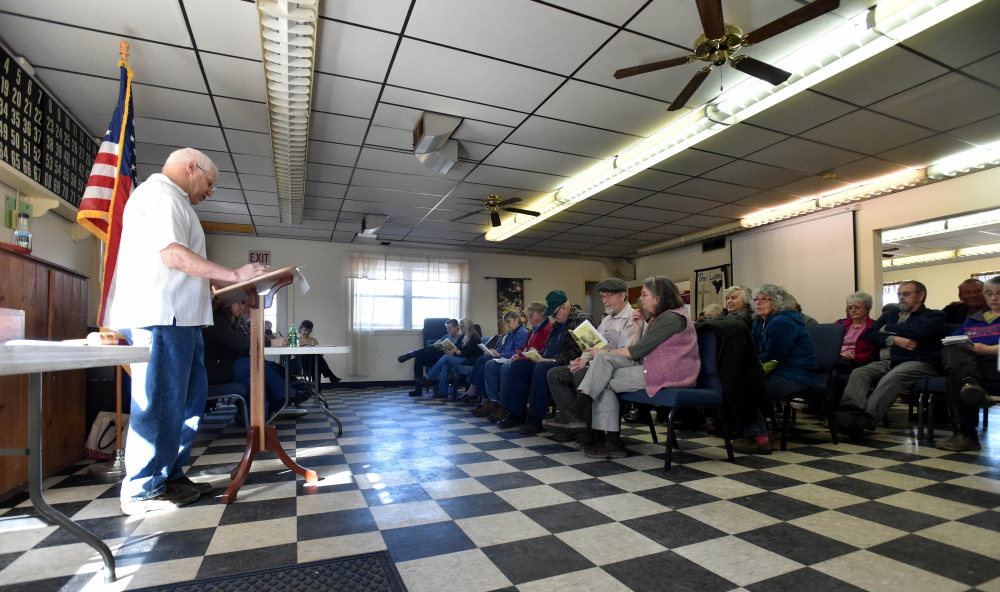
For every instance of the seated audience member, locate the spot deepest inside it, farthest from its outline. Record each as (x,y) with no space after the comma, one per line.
(857,352)
(427,356)
(889,306)
(268,329)
(970,300)
(738,305)
(468,351)
(528,377)
(785,351)
(712,311)
(798,308)
(497,372)
(972,368)
(665,356)
(514,339)
(306,339)
(617,329)
(912,334)
(227,355)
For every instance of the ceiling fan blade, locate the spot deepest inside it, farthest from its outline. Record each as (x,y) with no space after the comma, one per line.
(759,69)
(495,219)
(509,200)
(626,72)
(463,216)
(710,12)
(520,211)
(792,19)
(690,89)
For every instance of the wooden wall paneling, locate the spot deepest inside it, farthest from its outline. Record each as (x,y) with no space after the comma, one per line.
(14,418)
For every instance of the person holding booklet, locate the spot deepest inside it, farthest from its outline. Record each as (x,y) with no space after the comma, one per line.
(497,372)
(615,331)
(972,369)
(427,356)
(455,354)
(514,339)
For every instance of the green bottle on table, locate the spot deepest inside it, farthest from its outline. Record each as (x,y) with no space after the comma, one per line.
(293,337)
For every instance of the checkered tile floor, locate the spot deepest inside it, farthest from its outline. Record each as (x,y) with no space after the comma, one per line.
(463,506)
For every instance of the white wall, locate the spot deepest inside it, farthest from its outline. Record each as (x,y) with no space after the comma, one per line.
(325,264)
(679,264)
(941,280)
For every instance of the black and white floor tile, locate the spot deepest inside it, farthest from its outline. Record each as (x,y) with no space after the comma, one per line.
(461,505)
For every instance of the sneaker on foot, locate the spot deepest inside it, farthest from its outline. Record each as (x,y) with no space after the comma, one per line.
(974,394)
(509,421)
(959,443)
(606,449)
(416,393)
(171,498)
(184,481)
(531,427)
(798,403)
(751,446)
(566,420)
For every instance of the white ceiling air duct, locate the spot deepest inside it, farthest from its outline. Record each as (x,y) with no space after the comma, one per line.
(288,40)
(371,223)
(432,144)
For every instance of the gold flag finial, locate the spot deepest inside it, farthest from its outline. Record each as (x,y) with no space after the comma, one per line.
(123,50)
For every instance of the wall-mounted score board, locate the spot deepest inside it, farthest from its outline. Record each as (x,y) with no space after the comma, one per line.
(38,139)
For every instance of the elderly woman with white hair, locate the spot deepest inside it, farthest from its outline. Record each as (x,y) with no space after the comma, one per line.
(857,351)
(786,352)
(737,305)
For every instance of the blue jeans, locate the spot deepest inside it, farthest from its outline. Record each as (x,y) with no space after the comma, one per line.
(496,374)
(777,387)
(514,391)
(441,370)
(168,398)
(274,382)
(477,377)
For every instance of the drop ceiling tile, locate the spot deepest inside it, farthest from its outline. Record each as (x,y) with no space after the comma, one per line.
(654,180)
(469,77)
(372,194)
(677,229)
(588,104)
(240,35)
(172,133)
(258,183)
(228,195)
(538,160)
(478,192)
(571,138)
(732,211)
(385,137)
(570,217)
(530,181)
(969,36)
(429,101)
(397,117)
(261,198)
(384,180)
(767,200)
(982,132)
(171,67)
(331,190)
(402,162)
(867,132)
(356,52)
(623,195)
(388,15)
(741,140)
(473,152)
(552,226)
(353,226)
(228,180)
(692,162)
(328,173)
(327,215)
(241,142)
(322,204)
(337,128)
(224,218)
(629,49)
(534,234)
(801,112)
(159,21)
(880,77)
(243,115)
(752,174)
(263,210)
(273,222)
(367,207)
(813,186)
(632,243)
(927,151)
(627,224)
(676,203)
(966,100)
(344,96)
(481,132)
(616,13)
(596,206)
(867,170)
(803,155)
(286,231)
(709,189)
(237,78)
(677,21)
(636,212)
(221,207)
(987,69)
(517,31)
(333,153)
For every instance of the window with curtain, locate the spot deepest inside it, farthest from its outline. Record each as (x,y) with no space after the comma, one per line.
(391,292)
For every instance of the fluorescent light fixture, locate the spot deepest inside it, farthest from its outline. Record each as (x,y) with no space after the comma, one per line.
(915,231)
(974,220)
(783,213)
(980,250)
(912,259)
(837,50)
(288,40)
(967,162)
(875,188)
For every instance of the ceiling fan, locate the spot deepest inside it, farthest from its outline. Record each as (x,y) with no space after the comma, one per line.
(494,204)
(721,41)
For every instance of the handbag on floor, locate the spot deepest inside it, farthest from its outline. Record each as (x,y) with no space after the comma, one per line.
(100,443)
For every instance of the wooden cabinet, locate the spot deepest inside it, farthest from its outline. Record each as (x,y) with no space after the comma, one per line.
(54,301)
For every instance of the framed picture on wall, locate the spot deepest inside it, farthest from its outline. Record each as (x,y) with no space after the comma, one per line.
(709,288)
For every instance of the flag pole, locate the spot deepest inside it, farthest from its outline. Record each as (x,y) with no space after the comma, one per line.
(114,468)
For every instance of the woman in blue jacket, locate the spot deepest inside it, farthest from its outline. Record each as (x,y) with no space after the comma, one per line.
(785,350)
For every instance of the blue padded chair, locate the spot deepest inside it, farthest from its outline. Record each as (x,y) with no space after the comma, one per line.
(827,340)
(237,391)
(926,389)
(706,394)
(433,329)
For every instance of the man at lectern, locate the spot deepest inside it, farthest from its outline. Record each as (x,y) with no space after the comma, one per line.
(160,298)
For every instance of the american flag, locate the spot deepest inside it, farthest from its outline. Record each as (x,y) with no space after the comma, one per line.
(111,182)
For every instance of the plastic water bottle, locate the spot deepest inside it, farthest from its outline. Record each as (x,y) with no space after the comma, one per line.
(293,337)
(22,236)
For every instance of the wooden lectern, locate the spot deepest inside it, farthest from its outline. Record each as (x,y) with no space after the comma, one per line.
(259,293)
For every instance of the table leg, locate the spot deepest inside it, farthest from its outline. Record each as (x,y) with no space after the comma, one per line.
(272,443)
(35,479)
(239,474)
(320,402)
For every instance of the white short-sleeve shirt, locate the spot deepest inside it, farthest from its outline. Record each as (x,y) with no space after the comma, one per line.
(144,292)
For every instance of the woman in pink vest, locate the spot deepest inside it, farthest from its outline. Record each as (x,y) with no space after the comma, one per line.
(665,356)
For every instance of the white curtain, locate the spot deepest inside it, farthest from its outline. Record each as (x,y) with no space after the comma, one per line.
(380,266)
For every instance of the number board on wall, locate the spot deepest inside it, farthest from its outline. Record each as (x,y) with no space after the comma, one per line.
(39,139)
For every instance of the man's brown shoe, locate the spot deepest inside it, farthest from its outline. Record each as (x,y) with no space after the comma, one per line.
(171,498)
(751,446)
(184,481)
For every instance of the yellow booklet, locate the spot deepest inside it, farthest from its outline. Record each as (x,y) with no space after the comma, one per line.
(533,355)
(586,336)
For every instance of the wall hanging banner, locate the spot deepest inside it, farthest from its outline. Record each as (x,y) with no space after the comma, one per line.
(510,296)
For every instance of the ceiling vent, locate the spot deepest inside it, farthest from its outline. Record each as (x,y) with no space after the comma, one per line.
(370,224)
(432,143)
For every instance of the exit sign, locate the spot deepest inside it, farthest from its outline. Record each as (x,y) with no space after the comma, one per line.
(262,257)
